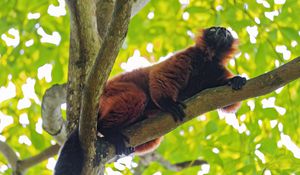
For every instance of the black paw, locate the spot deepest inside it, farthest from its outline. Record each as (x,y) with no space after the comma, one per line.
(116,138)
(218,38)
(237,82)
(175,108)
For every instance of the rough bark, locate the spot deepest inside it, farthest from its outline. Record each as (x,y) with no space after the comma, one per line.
(76,71)
(97,78)
(104,13)
(84,34)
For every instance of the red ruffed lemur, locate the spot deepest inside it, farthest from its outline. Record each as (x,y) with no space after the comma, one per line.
(133,96)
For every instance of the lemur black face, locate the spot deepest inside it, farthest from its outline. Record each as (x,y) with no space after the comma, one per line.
(218,38)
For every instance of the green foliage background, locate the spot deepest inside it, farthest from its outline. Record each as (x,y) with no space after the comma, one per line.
(167,31)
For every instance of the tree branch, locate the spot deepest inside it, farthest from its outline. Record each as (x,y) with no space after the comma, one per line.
(9,154)
(84,34)
(29,162)
(205,101)
(137,6)
(76,71)
(53,122)
(214,98)
(187,164)
(155,157)
(97,78)
(19,166)
(104,14)
(88,32)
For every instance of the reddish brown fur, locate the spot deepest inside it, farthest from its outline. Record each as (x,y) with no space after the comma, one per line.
(166,79)
(121,104)
(148,146)
(132,96)
(232,108)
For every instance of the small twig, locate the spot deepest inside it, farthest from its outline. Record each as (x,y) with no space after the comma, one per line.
(19,166)
(137,6)
(9,154)
(148,158)
(29,162)
(187,164)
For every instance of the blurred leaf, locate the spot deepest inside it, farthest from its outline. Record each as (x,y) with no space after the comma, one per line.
(290,33)
(268,145)
(210,128)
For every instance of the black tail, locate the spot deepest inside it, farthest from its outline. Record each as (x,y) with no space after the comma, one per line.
(70,161)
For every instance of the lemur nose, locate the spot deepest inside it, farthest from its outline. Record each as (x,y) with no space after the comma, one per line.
(221,31)
(218,31)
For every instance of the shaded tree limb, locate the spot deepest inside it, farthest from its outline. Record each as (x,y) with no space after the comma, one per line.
(97,77)
(89,41)
(155,157)
(105,10)
(9,154)
(44,155)
(76,71)
(187,164)
(84,46)
(19,166)
(104,13)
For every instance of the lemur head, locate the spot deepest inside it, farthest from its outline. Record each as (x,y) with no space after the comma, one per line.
(216,41)
(218,38)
